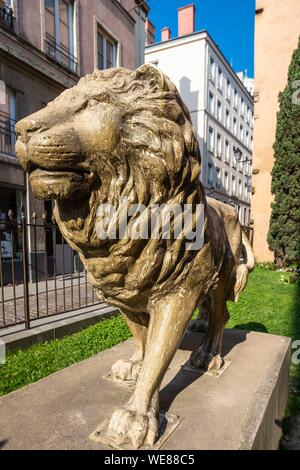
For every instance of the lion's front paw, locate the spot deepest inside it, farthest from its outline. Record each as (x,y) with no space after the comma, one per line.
(126,370)
(206,360)
(127,427)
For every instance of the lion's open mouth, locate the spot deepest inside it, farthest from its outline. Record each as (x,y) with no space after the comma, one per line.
(59,184)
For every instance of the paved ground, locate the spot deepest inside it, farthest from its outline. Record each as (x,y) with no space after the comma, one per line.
(242,409)
(45,299)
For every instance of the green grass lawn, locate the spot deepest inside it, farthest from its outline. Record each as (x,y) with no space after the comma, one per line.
(269,304)
(40,360)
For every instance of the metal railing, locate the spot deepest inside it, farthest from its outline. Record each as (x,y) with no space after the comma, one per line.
(7,18)
(7,134)
(60,54)
(40,275)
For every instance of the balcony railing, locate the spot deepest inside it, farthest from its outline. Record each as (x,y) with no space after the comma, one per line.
(7,135)
(6,18)
(60,54)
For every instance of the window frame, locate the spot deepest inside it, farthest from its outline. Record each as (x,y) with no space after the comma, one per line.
(71,52)
(219,111)
(211,103)
(108,36)
(226,181)
(212,69)
(218,178)
(210,172)
(219,145)
(210,143)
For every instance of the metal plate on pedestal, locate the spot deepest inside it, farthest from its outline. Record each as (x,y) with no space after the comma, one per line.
(213,373)
(167,423)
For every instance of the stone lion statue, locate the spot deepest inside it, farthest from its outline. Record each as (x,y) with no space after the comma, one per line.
(127,134)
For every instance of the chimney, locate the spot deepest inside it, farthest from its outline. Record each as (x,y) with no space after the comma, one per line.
(165,34)
(186,20)
(150,32)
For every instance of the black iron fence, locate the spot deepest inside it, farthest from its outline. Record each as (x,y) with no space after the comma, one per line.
(7,134)
(7,18)
(60,54)
(40,275)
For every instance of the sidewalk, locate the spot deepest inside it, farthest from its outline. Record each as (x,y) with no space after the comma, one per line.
(64,294)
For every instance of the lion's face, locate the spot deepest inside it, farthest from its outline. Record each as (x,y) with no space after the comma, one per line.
(118,133)
(62,146)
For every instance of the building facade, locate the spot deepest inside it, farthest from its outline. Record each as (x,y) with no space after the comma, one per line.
(45,46)
(277,29)
(221,109)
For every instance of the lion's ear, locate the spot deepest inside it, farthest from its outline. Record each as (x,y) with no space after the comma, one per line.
(150,72)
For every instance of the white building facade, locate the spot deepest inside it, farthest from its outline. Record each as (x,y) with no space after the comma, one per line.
(221,109)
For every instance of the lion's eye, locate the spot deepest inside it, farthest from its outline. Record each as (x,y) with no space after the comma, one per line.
(93,102)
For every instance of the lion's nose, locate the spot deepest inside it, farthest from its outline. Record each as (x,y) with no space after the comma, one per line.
(27,126)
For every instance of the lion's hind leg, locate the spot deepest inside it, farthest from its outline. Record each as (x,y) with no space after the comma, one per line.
(208,355)
(128,370)
(200,324)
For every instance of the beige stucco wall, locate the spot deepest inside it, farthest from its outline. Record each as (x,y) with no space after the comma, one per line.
(277,29)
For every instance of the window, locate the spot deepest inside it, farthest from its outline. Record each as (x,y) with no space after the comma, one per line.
(235,98)
(227,119)
(226,181)
(242,133)
(242,111)
(246,189)
(233,184)
(211,103)
(59,26)
(7,122)
(218,178)
(106,51)
(240,188)
(247,167)
(228,89)
(245,216)
(219,145)
(210,139)
(227,151)
(220,111)
(247,139)
(212,69)
(235,126)
(6,14)
(210,175)
(220,79)
(248,115)
(241,165)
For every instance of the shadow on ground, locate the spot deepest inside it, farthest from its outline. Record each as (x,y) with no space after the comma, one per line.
(183,378)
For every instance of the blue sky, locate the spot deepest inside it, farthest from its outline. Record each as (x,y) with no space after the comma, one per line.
(229,22)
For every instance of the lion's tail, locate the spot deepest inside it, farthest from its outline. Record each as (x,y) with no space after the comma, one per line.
(243,269)
(250,262)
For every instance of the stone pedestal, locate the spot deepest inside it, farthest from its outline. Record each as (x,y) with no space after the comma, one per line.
(242,408)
